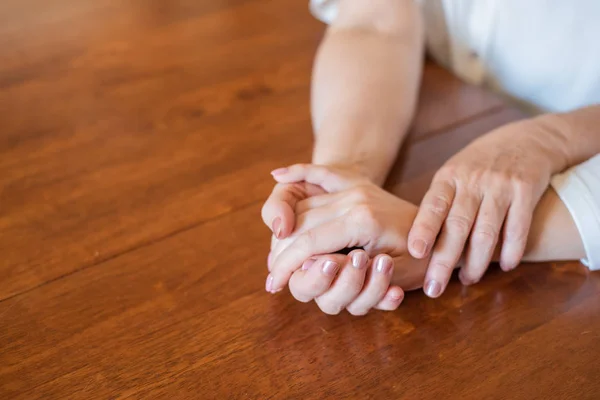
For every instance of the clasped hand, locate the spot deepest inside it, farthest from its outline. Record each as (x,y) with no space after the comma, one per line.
(335,209)
(479,203)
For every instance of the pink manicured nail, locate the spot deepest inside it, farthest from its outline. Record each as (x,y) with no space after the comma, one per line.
(330,267)
(269,284)
(359,259)
(308,263)
(420,247)
(277,227)
(279,171)
(433,289)
(384,265)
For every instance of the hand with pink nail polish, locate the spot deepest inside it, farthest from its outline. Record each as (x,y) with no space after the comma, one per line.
(352,282)
(278,212)
(354,213)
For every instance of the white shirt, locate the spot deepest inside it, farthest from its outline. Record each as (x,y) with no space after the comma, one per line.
(542,53)
(579,189)
(545,53)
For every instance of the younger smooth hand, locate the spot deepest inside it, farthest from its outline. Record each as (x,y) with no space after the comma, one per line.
(355,213)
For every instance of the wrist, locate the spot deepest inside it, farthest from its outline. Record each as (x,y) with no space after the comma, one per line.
(360,167)
(553,134)
(372,166)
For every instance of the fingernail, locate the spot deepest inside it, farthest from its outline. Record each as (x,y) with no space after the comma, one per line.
(277,227)
(330,267)
(269,284)
(279,171)
(359,259)
(384,265)
(308,263)
(433,288)
(420,247)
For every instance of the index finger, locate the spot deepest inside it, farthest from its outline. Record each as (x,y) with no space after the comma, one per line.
(429,220)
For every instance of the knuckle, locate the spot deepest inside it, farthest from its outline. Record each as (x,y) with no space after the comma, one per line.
(443,266)
(306,240)
(477,176)
(501,199)
(365,216)
(459,224)
(516,233)
(353,286)
(300,166)
(324,173)
(492,179)
(315,287)
(439,205)
(425,233)
(485,234)
(364,212)
(521,188)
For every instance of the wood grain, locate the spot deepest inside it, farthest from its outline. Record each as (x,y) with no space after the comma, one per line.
(110,142)
(135,143)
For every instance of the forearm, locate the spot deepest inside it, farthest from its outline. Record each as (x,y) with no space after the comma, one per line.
(574,134)
(365,84)
(553,235)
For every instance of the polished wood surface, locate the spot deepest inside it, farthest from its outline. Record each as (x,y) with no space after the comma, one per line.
(135,144)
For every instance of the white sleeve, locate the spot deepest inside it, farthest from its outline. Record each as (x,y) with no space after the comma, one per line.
(324,10)
(579,189)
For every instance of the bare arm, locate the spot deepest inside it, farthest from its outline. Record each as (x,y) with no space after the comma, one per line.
(553,235)
(365,84)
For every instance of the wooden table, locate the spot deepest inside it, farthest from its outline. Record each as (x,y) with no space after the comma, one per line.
(136,139)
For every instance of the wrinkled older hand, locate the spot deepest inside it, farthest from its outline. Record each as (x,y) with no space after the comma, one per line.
(484,194)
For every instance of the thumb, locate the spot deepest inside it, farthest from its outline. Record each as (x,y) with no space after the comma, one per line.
(278,211)
(330,179)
